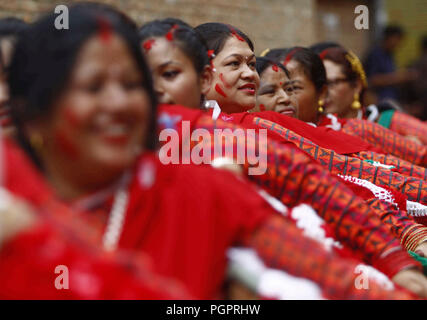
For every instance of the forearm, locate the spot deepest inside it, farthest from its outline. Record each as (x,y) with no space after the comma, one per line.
(387,140)
(402,166)
(406,124)
(281,245)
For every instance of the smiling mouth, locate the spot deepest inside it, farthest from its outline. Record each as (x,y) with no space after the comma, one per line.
(248,88)
(119,133)
(288,111)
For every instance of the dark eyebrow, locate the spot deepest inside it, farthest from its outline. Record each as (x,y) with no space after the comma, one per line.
(294,81)
(239,56)
(265,88)
(165,64)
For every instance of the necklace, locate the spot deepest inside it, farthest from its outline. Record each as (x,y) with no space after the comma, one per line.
(115,220)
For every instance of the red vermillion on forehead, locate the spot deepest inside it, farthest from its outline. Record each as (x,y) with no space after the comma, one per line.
(104,29)
(262,107)
(275,67)
(290,55)
(148,44)
(235,34)
(220,91)
(169,35)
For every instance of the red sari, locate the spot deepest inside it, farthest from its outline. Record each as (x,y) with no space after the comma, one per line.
(295,178)
(184,217)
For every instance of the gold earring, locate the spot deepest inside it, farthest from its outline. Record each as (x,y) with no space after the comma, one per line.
(356,103)
(321,103)
(36,141)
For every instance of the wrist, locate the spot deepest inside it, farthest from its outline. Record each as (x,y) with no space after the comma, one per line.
(396,261)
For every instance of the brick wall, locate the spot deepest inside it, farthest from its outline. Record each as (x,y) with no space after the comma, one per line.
(269,23)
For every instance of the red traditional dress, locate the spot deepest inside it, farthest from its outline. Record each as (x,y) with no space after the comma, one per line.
(185,217)
(407,125)
(390,142)
(294,178)
(29,259)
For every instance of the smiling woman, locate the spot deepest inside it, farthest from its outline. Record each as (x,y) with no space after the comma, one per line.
(235,80)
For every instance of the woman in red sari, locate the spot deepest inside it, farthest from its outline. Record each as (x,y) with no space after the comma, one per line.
(307,96)
(174,66)
(87,121)
(346,98)
(306,68)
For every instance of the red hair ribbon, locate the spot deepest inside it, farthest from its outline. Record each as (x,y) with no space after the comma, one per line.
(290,55)
(104,29)
(275,67)
(169,35)
(148,44)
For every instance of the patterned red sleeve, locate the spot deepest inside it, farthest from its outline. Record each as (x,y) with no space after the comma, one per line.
(408,125)
(410,234)
(389,141)
(281,245)
(28,262)
(414,188)
(293,177)
(402,166)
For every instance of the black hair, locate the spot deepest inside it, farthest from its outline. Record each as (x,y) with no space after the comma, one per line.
(215,35)
(263,63)
(10,28)
(277,54)
(184,36)
(44,58)
(311,63)
(319,47)
(393,30)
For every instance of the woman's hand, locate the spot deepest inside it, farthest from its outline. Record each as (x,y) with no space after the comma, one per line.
(421,250)
(412,280)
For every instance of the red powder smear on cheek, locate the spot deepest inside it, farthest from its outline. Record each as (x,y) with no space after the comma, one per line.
(104,30)
(147,45)
(221,77)
(71,117)
(275,68)
(220,91)
(262,107)
(169,35)
(65,145)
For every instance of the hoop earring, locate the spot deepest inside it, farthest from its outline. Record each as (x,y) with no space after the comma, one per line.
(356,105)
(321,103)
